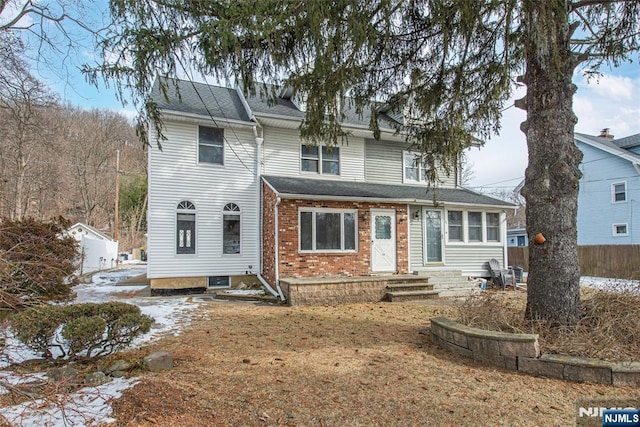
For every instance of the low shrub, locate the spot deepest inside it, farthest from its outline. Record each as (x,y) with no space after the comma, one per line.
(80,330)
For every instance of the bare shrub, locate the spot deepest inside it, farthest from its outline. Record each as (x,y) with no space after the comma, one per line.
(37,262)
(608,329)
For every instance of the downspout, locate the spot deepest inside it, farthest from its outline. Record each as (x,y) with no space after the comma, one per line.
(277,252)
(259,141)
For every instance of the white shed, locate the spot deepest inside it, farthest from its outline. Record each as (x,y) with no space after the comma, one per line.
(98,250)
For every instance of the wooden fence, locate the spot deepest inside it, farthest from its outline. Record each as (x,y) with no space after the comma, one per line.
(617,261)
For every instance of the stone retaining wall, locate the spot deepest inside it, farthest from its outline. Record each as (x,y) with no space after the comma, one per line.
(521,352)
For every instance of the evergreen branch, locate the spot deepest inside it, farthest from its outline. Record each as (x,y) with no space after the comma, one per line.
(587,3)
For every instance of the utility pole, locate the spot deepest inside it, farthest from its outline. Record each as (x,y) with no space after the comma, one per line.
(115,220)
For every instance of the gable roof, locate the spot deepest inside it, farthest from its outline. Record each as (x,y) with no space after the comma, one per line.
(306,188)
(91,230)
(231,104)
(200,99)
(611,146)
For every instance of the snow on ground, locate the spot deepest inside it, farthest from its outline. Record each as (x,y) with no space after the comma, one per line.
(615,285)
(89,406)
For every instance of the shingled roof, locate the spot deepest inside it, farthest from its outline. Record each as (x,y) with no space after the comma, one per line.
(291,187)
(216,101)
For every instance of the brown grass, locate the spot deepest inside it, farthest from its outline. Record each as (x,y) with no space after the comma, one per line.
(241,364)
(609,328)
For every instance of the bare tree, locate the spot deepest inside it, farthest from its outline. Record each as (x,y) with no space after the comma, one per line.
(24,101)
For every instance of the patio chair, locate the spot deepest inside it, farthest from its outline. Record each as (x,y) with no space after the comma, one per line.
(501,276)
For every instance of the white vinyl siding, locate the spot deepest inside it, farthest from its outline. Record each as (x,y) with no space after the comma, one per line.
(175,175)
(470,257)
(384,164)
(282,156)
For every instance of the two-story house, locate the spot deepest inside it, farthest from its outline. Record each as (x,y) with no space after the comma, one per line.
(235,192)
(609,190)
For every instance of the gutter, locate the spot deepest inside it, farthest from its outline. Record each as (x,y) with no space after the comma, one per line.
(383,200)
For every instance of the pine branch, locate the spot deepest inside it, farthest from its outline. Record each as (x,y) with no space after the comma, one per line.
(587,3)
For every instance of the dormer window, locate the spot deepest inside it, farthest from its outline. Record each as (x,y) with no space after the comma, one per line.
(414,168)
(321,160)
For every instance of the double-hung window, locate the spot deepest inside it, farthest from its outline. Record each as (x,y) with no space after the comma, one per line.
(493,227)
(619,192)
(320,159)
(413,168)
(474,226)
(454,219)
(328,230)
(186,228)
(210,145)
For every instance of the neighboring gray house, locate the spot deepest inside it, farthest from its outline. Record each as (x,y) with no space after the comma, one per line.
(234,193)
(609,197)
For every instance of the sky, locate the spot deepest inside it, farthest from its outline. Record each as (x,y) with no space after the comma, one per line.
(612,101)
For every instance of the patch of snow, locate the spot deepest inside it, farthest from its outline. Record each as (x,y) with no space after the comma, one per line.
(13,379)
(243,292)
(14,351)
(88,406)
(613,285)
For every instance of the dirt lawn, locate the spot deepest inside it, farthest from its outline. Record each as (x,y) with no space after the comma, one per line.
(241,364)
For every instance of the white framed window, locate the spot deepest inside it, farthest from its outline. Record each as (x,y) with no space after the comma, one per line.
(186,228)
(322,160)
(210,145)
(231,231)
(620,230)
(413,168)
(328,230)
(474,226)
(493,227)
(619,192)
(455,227)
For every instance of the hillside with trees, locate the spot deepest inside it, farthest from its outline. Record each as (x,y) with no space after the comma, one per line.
(60,160)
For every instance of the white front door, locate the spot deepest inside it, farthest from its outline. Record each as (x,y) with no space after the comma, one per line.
(383,240)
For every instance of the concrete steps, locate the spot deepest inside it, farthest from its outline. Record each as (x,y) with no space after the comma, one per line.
(409,288)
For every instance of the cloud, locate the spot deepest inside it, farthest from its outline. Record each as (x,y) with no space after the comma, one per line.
(11,11)
(610,86)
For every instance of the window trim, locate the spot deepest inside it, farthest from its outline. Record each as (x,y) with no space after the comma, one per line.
(462,227)
(320,160)
(613,192)
(313,230)
(421,169)
(483,236)
(186,207)
(224,151)
(486,227)
(229,210)
(613,229)
(465,227)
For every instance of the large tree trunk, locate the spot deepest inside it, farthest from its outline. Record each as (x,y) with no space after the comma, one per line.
(552,176)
